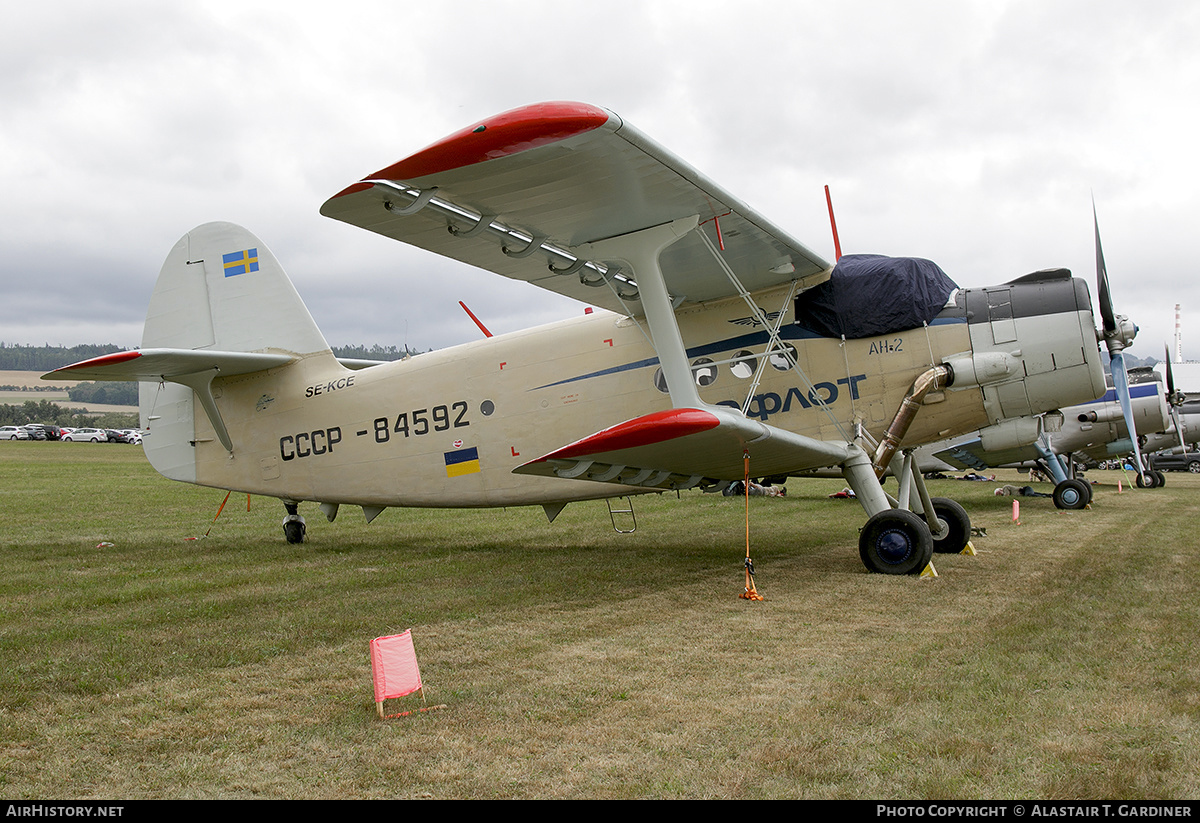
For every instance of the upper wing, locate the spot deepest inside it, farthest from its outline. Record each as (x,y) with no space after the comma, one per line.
(681,448)
(517,193)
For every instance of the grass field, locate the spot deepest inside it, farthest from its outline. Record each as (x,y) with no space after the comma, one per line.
(1061,662)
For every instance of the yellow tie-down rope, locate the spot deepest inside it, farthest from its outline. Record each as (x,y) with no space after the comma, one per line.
(750,593)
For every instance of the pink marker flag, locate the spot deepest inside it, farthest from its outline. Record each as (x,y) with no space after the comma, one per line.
(394,666)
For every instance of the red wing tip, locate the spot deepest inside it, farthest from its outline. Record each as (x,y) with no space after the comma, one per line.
(505,134)
(102,360)
(641,431)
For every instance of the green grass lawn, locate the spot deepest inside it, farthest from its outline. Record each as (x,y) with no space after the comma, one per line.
(1060,662)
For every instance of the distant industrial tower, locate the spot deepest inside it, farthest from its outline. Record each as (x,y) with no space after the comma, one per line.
(1187,375)
(1178,337)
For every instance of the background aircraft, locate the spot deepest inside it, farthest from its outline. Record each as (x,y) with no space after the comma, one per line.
(726,348)
(1089,432)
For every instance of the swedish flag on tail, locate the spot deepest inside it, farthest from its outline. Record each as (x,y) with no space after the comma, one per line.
(240,262)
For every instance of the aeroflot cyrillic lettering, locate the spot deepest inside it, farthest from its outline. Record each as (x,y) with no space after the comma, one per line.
(332,385)
(308,444)
(764,405)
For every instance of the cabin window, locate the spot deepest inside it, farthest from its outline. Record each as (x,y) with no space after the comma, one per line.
(783,359)
(704,372)
(744,365)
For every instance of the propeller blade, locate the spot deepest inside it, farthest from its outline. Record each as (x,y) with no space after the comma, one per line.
(1121,384)
(1118,333)
(1178,427)
(1173,400)
(1105,295)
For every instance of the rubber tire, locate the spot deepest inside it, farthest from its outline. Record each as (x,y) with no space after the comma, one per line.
(293,531)
(1160,479)
(1071,494)
(1194,467)
(955,516)
(1088,488)
(895,542)
(1144,481)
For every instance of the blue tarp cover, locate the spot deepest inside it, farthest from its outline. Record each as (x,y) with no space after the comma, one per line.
(870,294)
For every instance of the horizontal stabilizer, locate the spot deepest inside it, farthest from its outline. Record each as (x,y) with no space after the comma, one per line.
(194,369)
(683,448)
(154,365)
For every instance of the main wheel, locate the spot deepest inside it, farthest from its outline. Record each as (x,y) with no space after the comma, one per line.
(1160,479)
(1071,494)
(895,542)
(958,526)
(1146,480)
(1087,487)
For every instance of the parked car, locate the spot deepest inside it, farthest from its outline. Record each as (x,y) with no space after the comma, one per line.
(87,435)
(43,431)
(130,436)
(13,433)
(1167,462)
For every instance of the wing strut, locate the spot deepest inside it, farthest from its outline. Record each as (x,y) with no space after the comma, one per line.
(640,250)
(201,384)
(775,344)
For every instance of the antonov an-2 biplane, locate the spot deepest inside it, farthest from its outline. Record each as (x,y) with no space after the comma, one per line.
(698,364)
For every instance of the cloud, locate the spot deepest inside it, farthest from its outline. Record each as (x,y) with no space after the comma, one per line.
(972,133)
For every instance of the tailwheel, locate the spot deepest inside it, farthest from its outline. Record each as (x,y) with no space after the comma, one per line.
(957,524)
(896,541)
(1072,494)
(294,529)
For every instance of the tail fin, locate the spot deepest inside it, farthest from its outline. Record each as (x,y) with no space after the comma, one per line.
(221,288)
(222,306)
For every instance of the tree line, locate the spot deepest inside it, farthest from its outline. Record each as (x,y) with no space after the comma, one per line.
(48,358)
(43,411)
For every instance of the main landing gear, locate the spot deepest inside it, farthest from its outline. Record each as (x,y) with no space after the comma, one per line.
(293,525)
(895,539)
(1151,479)
(1072,493)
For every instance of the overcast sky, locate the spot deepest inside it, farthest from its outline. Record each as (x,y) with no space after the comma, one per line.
(970,133)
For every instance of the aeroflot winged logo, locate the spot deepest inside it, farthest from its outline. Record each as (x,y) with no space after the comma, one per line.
(240,262)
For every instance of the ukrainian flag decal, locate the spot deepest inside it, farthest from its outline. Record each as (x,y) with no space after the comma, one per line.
(240,262)
(463,461)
